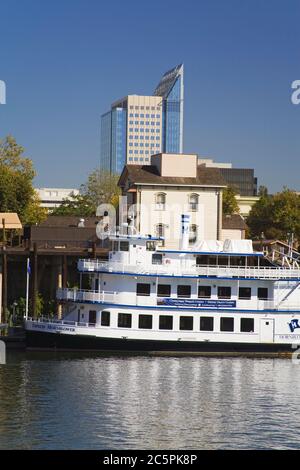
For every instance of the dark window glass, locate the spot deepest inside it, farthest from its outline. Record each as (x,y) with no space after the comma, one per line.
(145,321)
(92,317)
(156,258)
(262,293)
(206,324)
(163,290)
(204,291)
(124,246)
(226,324)
(165,322)
(247,325)
(124,320)
(143,289)
(186,323)
(245,293)
(224,292)
(183,291)
(105,318)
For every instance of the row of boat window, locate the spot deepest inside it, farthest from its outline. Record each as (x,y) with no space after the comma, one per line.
(185,322)
(184,291)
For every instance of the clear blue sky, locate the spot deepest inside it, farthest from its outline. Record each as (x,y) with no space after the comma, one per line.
(65,61)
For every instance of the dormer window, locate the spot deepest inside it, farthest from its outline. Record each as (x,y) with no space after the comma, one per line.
(160,201)
(193,202)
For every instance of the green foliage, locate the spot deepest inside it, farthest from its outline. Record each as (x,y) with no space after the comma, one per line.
(230,205)
(101,187)
(275,216)
(78,205)
(16,189)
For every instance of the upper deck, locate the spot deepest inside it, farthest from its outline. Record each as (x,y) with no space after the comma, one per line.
(144,256)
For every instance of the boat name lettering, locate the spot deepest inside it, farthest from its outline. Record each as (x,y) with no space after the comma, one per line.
(41,326)
(198,303)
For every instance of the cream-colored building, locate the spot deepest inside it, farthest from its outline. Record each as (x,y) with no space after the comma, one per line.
(144,127)
(246,203)
(172,185)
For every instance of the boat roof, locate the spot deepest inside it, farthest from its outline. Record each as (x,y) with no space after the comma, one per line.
(213,253)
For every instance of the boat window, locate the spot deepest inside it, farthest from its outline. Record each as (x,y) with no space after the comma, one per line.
(124,246)
(184,291)
(115,246)
(224,292)
(186,323)
(227,324)
(247,325)
(124,320)
(143,289)
(92,317)
(204,291)
(157,258)
(165,322)
(145,321)
(201,260)
(105,318)
(206,323)
(262,293)
(245,293)
(163,290)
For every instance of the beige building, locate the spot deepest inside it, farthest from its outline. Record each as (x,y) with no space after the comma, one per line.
(172,185)
(233,227)
(246,203)
(144,127)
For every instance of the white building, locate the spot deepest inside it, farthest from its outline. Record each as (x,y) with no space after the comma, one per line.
(53,197)
(172,185)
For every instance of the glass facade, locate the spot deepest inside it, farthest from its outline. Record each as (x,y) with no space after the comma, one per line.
(113,140)
(106,141)
(171,89)
(165,127)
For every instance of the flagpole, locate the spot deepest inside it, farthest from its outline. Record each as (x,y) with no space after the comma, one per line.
(27,288)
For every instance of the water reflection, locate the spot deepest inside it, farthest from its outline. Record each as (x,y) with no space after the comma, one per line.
(74,401)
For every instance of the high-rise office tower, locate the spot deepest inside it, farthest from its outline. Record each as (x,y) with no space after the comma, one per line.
(137,126)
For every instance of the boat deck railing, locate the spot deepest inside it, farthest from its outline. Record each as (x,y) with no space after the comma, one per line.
(247,272)
(90,296)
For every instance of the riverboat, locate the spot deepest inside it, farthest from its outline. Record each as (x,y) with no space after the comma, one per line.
(215,297)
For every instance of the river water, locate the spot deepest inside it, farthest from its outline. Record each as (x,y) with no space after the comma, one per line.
(72,401)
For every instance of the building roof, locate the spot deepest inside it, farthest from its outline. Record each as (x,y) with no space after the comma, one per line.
(167,82)
(149,174)
(233,222)
(69,221)
(11,220)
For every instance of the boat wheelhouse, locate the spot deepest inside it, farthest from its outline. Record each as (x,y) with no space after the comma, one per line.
(216,297)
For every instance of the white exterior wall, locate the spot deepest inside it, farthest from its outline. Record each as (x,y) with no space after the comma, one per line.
(232,234)
(53,197)
(177,203)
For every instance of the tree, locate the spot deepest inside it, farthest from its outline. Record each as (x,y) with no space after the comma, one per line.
(101,187)
(230,205)
(276,216)
(79,205)
(17,193)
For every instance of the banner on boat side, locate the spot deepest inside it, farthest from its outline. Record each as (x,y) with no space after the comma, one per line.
(198,303)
